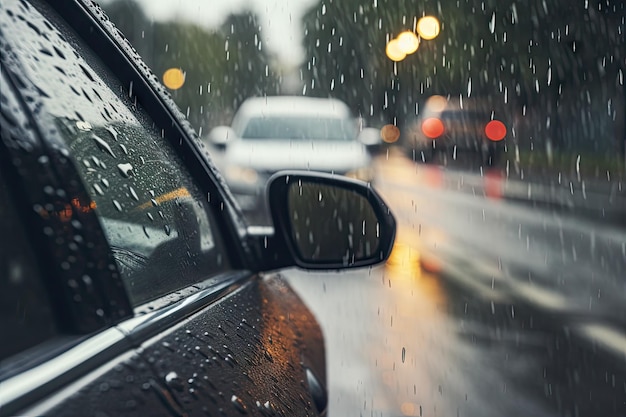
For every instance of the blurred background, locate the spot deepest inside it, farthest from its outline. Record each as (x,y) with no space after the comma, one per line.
(506,291)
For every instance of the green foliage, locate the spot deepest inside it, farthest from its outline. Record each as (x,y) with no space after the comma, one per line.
(514,53)
(222,67)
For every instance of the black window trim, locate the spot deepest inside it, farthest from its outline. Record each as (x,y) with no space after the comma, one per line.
(24,389)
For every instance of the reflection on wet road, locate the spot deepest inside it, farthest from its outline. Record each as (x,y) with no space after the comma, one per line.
(485,308)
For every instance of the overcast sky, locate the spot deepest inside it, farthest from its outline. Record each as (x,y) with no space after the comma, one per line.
(281,33)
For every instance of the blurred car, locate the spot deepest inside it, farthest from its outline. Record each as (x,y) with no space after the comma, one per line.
(129,284)
(451,128)
(269,134)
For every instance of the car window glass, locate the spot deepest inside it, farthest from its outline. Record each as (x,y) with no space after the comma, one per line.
(158,222)
(26,317)
(289,127)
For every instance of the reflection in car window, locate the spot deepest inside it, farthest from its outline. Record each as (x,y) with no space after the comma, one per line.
(157,221)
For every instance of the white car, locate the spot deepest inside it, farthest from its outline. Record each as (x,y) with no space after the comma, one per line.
(270,134)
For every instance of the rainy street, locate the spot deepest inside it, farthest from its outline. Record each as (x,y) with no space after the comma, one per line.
(486,307)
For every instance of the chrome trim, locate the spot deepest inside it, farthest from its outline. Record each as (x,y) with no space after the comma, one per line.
(143,327)
(25,388)
(33,385)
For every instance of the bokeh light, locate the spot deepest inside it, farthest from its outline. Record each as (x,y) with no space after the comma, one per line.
(432,128)
(390,133)
(436,103)
(408,42)
(495,130)
(428,27)
(394,51)
(174,78)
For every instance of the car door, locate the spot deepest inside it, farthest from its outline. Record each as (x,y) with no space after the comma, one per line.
(132,252)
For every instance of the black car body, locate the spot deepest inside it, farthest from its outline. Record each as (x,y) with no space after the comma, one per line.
(129,283)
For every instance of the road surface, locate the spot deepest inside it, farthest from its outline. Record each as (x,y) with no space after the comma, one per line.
(487,306)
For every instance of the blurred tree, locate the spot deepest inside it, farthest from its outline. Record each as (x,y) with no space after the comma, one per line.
(222,67)
(539,60)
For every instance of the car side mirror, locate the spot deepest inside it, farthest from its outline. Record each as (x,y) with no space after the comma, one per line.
(220,136)
(324,221)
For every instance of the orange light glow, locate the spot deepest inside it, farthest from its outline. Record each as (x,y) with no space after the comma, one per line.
(174,78)
(394,51)
(84,208)
(495,130)
(494,184)
(428,27)
(390,133)
(436,103)
(432,128)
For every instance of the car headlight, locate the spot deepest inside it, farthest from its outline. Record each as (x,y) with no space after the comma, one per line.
(239,174)
(364,174)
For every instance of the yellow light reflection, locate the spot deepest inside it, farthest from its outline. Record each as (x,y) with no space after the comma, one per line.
(390,133)
(408,42)
(428,27)
(181,192)
(174,78)
(394,51)
(409,409)
(404,261)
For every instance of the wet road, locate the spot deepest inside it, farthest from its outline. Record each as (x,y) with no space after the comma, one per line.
(487,307)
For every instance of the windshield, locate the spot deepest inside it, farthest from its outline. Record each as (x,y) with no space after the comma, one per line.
(497,137)
(299,128)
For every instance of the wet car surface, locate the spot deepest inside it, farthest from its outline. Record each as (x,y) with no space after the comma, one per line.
(130,283)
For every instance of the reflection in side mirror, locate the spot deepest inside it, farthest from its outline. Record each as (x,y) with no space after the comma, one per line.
(330,222)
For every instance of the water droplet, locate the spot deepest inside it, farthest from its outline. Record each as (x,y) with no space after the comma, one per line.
(238,404)
(168,230)
(126,169)
(172,380)
(84,126)
(103,145)
(117,205)
(133,193)
(113,132)
(98,189)
(403,354)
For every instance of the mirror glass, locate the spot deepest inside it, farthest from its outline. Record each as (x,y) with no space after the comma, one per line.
(331,223)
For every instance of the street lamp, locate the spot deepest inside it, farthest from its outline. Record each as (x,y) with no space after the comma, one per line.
(174,78)
(408,42)
(428,27)
(394,51)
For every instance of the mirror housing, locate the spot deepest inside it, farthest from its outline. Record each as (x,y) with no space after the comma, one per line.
(220,136)
(324,221)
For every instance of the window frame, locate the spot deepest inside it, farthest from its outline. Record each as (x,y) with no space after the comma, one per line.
(84,346)
(125,64)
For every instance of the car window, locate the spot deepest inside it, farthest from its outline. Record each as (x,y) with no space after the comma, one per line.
(25,312)
(289,127)
(159,224)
